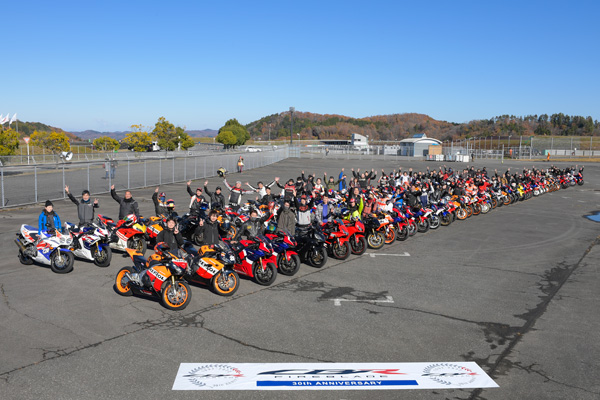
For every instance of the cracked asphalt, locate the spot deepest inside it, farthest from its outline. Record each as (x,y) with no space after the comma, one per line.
(515,290)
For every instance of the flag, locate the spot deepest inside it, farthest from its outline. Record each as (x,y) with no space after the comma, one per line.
(13,119)
(4,120)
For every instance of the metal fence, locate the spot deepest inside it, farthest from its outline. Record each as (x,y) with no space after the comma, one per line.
(42,157)
(22,185)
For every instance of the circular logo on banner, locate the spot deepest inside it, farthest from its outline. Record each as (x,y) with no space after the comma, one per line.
(450,374)
(213,375)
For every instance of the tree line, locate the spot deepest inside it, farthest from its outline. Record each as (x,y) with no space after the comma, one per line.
(400,126)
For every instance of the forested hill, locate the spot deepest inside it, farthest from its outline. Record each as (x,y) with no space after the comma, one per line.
(27,129)
(400,126)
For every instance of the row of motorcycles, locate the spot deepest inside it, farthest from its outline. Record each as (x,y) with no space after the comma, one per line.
(168,273)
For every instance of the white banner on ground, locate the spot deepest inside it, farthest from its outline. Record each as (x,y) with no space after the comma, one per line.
(331,376)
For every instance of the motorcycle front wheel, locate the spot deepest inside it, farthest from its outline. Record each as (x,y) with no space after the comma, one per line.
(265,276)
(341,251)
(102,256)
(358,244)
(376,240)
(61,262)
(288,267)
(175,296)
(225,283)
(317,257)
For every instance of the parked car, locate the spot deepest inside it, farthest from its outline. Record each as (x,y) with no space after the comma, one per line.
(251,149)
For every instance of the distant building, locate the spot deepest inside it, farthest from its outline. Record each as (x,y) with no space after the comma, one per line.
(417,146)
(359,140)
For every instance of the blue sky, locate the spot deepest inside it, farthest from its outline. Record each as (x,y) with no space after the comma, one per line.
(106,65)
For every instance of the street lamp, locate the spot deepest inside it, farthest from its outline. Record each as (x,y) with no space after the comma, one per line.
(292,109)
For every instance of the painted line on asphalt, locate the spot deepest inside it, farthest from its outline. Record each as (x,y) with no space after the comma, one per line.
(338,302)
(405,254)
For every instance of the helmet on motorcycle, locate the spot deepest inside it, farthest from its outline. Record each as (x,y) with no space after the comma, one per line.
(270,229)
(130,220)
(170,204)
(344,212)
(161,247)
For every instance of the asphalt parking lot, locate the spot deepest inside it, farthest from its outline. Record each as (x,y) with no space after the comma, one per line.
(515,290)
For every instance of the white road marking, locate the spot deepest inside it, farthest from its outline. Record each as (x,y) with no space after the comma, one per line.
(565,197)
(405,254)
(388,299)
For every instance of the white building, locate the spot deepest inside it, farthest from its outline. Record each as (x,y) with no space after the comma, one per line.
(417,146)
(359,140)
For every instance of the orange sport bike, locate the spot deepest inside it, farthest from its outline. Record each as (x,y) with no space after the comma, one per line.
(159,277)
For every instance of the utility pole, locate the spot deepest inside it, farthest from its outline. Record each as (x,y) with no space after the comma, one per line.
(292,109)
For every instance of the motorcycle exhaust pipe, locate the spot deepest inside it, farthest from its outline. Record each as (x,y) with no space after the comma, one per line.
(20,245)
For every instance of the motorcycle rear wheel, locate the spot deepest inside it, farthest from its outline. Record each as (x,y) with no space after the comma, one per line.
(137,243)
(25,260)
(61,262)
(175,297)
(123,288)
(390,235)
(264,277)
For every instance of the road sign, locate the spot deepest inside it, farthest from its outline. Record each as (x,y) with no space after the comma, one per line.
(26,139)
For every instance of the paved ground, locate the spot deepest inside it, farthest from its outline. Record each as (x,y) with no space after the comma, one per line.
(515,290)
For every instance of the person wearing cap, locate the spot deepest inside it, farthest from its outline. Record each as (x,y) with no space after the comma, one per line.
(355,206)
(48,221)
(171,236)
(85,208)
(217,200)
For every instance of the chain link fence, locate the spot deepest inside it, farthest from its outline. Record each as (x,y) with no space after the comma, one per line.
(22,185)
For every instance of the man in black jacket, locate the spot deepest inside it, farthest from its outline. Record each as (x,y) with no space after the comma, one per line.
(85,208)
(127,205)
(217,200)
(253,227)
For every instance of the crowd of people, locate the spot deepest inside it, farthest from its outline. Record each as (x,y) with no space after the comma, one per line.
(309,198)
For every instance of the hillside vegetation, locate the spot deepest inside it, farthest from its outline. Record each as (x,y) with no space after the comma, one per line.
(400,126)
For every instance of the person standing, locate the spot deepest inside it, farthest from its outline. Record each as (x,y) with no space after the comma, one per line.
(106,167)
(240,164)
(127,205)
(113,168)
(85,208)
